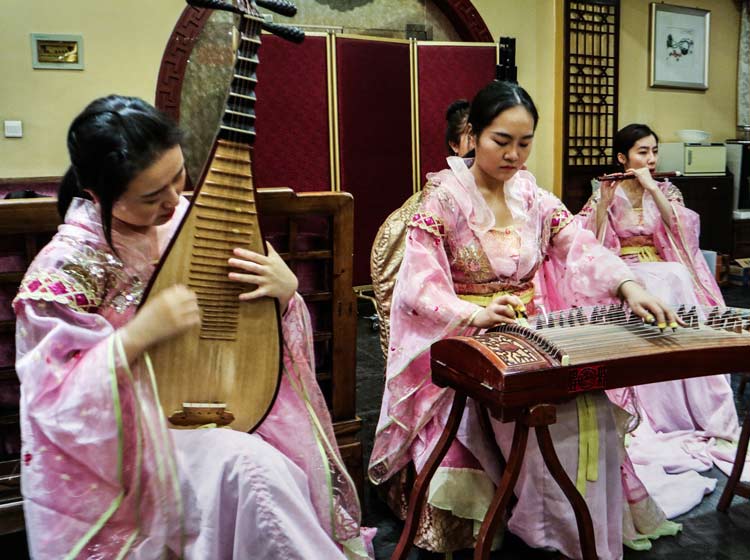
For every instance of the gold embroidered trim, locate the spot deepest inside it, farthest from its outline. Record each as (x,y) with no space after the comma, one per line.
(675,195)
(58,288)
(561,217)
(428,222)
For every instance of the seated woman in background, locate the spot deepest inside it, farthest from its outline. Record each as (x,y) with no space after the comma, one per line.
(102,476)
(646,223)
(458,138)
(480,234)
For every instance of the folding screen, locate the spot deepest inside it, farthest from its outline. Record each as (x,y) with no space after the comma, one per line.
(374,96)
(292,148)
(364,115)
(446,72)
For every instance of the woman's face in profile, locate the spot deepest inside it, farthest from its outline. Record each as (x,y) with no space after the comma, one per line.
(152,196)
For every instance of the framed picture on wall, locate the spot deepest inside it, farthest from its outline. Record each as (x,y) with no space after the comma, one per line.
(678,50)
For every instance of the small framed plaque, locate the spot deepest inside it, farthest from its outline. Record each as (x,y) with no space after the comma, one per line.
(57,52)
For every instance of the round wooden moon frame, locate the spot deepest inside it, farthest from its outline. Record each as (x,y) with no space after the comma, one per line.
(461,13)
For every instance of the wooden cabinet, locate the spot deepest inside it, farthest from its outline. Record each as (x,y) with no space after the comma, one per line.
(740,239)
(711,198)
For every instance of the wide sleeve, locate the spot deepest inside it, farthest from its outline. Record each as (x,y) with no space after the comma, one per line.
(425,309)
(63,361)
(299,425)
(82,421)
(677,241)
(587,219)
(577,269)
(425,300)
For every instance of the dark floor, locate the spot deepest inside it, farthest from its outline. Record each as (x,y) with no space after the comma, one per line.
(706,533)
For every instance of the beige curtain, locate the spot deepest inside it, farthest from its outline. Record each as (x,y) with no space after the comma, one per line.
(743,68)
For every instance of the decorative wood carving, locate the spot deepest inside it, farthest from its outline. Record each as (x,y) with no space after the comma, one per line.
(590,94)
(175,57)
(466,19)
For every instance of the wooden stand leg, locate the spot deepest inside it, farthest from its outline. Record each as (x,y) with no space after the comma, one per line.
(489,433)
(734,486)
(423,480)
(743,383)
(503,493)
(581,510)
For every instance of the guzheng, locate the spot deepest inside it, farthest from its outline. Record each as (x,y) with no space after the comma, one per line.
(227,370)
(574,351)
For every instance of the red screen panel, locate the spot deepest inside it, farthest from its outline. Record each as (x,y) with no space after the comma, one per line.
(291,148)
(446,73)
(374,99)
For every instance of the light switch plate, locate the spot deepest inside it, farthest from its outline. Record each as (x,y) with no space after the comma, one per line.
(13,129)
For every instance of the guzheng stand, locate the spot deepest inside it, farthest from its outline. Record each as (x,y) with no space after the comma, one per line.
(734,486)
(539,417)
(519,375)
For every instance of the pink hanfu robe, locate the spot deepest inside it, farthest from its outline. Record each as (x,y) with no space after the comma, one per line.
(102,475)
(680,418)
(454,249)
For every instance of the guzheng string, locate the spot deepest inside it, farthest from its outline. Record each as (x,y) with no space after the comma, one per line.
(586,334)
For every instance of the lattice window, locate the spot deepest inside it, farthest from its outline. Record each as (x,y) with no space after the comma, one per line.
(591,81)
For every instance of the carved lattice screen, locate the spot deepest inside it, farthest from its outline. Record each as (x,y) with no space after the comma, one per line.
(591,77)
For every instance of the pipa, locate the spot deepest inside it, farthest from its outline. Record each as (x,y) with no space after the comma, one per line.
(227,370)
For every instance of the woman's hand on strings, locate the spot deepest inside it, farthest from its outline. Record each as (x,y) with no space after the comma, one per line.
(502,309)
(269,273)
(648,307)
(168,314)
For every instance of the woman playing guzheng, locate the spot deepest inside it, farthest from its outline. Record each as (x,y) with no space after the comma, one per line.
(646,223)
(483,230)
(102,476)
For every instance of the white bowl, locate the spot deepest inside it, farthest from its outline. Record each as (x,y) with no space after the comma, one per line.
(693,136)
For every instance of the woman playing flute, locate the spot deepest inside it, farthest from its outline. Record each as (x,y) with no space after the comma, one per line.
(646,223)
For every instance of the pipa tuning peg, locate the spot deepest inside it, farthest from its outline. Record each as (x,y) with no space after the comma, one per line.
(289,32)
(281,7)
(215,5)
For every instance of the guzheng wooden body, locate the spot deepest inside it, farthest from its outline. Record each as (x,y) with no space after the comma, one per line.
(581,350)
(227,370)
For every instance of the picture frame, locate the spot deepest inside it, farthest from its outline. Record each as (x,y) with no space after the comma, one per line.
(56,52)
(679,47)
